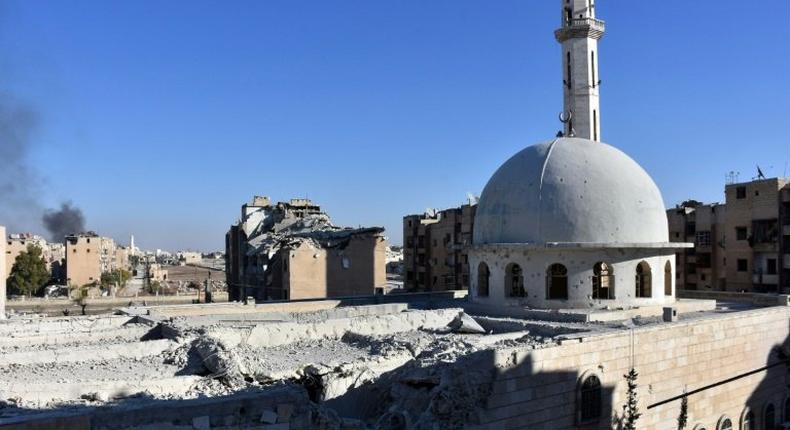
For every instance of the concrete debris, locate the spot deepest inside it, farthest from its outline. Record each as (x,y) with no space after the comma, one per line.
(463,323)
(376,367)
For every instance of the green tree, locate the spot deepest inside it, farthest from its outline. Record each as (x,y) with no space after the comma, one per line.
(631,407)
(29,273)
(115,277)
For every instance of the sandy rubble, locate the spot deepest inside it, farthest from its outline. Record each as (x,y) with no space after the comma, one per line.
(380,369)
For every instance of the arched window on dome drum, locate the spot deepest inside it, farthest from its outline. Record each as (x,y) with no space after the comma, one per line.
(590,399)
(769,417)
(514,280)
(668,279)
(724,424)
(644,281)
(603,281)
(483,275)
(747,421)
(557,282)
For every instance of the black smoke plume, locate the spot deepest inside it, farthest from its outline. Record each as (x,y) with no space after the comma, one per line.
(63,222)
(19,183)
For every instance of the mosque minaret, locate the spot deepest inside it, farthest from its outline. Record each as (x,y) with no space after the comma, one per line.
(573,222)
(579,37)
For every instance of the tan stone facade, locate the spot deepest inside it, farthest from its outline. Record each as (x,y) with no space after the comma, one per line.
(702,267)
(719,360)
(435,256)
(741,246)
(89,255)
(291,250)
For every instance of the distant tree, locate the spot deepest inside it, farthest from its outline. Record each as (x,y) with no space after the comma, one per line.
(631,407)
(29,273)
(684,412)
(691,204)
(115,277)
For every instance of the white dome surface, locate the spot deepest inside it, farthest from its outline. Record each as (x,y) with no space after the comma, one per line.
(574,191)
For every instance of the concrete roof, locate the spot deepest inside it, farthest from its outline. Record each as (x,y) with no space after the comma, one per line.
(574,191)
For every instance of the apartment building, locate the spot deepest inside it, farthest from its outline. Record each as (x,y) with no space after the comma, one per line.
(88,255)
(743,245)
(434,249)
(291,250)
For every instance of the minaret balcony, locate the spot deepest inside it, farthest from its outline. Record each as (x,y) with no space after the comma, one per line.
(581,28)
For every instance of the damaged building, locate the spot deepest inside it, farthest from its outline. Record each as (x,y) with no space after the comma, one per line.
(291,250)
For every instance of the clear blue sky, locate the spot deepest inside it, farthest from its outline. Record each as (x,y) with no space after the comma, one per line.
(162,118)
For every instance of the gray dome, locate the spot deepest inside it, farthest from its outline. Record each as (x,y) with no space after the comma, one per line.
(570,190)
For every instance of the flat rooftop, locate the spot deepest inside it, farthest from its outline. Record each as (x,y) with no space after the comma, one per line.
(312,350)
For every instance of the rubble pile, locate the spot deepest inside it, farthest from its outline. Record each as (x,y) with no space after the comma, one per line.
(412,369)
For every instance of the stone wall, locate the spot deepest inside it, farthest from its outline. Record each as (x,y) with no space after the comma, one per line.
(538,389)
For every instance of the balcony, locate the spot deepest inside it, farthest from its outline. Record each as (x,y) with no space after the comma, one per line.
(580,28)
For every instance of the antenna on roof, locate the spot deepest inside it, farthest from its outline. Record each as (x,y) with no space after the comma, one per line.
(731,177)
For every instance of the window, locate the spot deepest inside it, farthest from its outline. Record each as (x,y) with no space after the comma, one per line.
(769,417)
(740,233)
(568,66)
(557,282)
(765,231)
(409,275)
(724,424)
(592,69)
(771,269)
(668,279)
(702,238)
(643,280)
(568,16)
(595,124)
(590,399)
(743,265)
(483,275)
(740,193)
(603,281)
(747,420)
(514,280)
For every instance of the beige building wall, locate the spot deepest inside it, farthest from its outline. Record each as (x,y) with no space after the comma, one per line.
(724,356)
(435,249)
(748,256)
(312,272)
(83,260)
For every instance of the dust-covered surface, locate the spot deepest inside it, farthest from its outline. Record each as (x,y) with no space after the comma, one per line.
(363,368)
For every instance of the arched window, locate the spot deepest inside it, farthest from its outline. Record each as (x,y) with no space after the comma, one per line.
(724,424)
(557,282)
(643,280)
(603,281)
(747,420)
(668,279)
(769,417)
(483,275)
(590,399)
(514,280)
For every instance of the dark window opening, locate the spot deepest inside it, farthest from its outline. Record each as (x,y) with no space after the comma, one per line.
(591,407)
(483,275)
(741,233)
(771,268)
(743,265)
(557,280)
(514,280)
(603,281)
(643,280)
(668,279)
(740,193)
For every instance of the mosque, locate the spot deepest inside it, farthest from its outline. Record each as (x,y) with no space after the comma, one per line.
(573,222)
